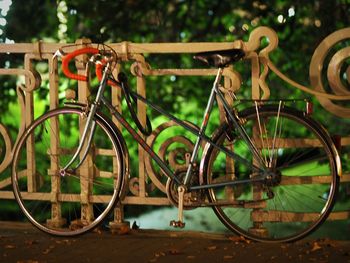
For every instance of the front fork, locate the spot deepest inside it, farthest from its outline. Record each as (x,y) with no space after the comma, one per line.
(89,129)
(86,137)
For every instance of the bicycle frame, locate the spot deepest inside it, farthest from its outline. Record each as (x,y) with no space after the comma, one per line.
(90,125)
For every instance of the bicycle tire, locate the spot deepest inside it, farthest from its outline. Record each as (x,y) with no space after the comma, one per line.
(76,203)
(309,174)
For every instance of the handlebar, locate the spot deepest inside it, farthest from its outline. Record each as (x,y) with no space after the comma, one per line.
(86,50)
(101,60)
(67,58)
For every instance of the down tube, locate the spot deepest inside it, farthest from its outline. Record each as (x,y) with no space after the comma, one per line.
(141,141)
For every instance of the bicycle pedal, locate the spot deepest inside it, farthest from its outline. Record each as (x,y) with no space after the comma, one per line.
(177,224)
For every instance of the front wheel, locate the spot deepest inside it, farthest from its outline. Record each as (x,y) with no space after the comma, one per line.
(72,203)
(300,194)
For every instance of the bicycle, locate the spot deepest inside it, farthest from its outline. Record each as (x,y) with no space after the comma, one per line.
(270,172)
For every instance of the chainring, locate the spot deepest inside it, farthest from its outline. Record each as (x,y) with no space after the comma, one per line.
(192,199)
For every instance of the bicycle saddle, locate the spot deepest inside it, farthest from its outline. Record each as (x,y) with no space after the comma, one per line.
(220,58)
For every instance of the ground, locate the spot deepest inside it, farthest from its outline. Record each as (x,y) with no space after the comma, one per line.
(22,243)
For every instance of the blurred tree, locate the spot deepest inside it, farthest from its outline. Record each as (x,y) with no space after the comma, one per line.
(301,25)
(171,21)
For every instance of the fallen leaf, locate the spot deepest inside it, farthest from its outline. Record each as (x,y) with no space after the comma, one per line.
(228,257)
(212,248)
(30,242)
(10,246)
(315,247)
(238,239)
(97,230)
(123,230)
(235,238)
(46,251)
(160,254)
(174,251)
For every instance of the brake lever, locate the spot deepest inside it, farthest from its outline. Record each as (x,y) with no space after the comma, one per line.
(59,53)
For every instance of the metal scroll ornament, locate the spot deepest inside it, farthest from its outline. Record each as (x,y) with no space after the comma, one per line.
(334,50)
(175,150)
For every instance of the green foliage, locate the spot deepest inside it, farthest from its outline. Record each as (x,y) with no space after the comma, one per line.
(181,21)
(28,21)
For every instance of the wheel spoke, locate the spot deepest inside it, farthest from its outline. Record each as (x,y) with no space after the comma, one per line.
(301,193)
(75,203)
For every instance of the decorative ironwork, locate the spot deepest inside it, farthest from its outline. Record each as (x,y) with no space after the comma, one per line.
(149,178)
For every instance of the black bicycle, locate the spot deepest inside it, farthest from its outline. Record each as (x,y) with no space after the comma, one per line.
(270,172)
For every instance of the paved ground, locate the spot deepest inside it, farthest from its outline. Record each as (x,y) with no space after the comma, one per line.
(21,243)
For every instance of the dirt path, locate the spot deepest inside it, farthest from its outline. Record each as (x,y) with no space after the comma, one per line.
(23,244)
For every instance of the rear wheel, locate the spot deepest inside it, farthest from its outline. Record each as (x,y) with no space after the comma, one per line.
(301,192)
(76,202)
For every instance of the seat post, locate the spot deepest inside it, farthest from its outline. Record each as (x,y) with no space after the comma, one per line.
(204,124)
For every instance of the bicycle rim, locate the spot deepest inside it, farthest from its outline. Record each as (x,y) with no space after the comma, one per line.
(300,198)
(77,202)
